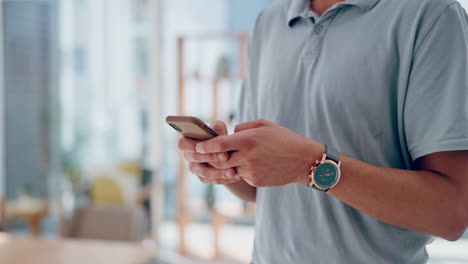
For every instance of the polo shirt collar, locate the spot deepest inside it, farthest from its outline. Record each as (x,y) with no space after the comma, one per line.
(298,8)
(365,5)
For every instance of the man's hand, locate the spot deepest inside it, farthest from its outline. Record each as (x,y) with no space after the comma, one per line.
(264,154)
(199,164)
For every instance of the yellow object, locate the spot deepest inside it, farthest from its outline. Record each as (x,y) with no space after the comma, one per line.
(130,168)
(104,190)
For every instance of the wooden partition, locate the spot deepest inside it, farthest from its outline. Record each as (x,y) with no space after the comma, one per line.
(182,77)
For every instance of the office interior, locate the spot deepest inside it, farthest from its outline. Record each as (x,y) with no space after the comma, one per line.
(89,171)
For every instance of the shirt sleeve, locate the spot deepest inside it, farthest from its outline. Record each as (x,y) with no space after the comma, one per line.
(436,105)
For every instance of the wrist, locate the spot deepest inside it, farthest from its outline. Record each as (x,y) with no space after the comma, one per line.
(312,151)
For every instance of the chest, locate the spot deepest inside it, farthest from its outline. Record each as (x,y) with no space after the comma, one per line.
(331,71)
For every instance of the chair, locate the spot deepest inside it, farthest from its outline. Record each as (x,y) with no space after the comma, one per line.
(106,191)
(106,222)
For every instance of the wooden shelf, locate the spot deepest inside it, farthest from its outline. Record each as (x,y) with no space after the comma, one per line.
(182,212)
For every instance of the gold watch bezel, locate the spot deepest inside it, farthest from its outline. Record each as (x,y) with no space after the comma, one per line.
(314,167)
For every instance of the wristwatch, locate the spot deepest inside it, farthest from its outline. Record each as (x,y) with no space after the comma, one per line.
(325,174)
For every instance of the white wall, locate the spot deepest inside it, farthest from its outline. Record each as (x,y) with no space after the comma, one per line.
(464,3)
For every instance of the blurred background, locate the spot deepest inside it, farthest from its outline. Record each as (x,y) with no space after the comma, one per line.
(89,172)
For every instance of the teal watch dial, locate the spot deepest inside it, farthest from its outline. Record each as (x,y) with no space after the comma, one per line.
(326,174)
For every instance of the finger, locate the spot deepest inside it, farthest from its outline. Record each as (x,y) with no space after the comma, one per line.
(219,127)
(223,143)
(236,159)
(251,124)
(187,144)
(208,172)
(202,158)
(219,181)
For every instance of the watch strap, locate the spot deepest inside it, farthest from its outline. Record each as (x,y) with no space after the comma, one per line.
(332,154)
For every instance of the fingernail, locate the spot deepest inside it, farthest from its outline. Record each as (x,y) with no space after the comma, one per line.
(229,174)
(199,148)
(221,157)
(237,177)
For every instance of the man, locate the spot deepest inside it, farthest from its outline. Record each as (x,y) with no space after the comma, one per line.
(382,82)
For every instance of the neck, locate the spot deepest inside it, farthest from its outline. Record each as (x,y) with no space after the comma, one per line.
(321,6)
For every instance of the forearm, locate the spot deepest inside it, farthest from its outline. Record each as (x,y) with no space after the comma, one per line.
(243,190)
(431,200)
(422,201)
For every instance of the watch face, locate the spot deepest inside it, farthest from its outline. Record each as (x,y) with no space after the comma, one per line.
(326,175)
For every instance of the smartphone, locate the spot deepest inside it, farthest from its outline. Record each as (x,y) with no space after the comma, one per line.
(191,127)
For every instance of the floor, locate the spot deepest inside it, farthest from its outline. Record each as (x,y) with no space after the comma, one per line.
(445,252)
(237,243)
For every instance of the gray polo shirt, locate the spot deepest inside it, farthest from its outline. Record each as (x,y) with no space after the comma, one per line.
(383,81)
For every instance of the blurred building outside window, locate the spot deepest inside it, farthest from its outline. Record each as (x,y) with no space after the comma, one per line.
(79,85)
